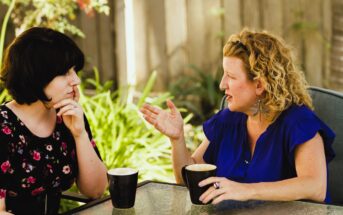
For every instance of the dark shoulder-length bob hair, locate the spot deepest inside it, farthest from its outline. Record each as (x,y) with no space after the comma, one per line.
(34,59)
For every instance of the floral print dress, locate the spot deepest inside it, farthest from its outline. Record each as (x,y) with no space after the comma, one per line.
(32,166)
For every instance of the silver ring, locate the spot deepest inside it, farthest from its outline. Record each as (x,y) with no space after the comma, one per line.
(216,185)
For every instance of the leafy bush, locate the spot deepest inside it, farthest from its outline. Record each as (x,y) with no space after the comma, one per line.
(123,138)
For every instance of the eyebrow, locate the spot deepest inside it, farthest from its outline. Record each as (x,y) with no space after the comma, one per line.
(228,73)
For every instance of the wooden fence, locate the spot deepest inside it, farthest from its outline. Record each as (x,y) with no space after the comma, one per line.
(169,35)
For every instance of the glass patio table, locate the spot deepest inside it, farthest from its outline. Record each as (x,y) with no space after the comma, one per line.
(172,199)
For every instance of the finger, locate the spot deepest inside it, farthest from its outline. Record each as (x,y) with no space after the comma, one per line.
(151,108)
(67,108)
(65,102)
(71,112)
(77,94)
(206,193)
(209,180)
(171,106)
(147,113)
(218,199)
(214,194)
(149,119)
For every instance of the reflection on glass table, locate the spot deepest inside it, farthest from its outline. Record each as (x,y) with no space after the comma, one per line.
(169,199)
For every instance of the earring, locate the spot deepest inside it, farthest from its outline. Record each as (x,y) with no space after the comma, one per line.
(257,108)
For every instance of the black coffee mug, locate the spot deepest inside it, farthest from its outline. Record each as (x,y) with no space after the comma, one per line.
(122,186)
(192,175)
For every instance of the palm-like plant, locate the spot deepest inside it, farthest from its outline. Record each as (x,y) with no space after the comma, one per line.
(3,29)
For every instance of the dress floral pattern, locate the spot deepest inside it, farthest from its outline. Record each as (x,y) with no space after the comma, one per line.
(31,165)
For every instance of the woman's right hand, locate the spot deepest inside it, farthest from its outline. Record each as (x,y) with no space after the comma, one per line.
(168,123)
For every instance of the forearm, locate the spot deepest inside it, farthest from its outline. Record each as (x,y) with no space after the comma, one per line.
(92,180)
(311,180)
(290,189)
(180,157)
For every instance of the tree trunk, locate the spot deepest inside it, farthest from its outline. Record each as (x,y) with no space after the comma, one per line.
(336,79)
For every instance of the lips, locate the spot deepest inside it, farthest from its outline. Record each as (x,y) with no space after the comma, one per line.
(72,93)
(228,97)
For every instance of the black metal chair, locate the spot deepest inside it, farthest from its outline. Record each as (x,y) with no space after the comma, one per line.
(328,106)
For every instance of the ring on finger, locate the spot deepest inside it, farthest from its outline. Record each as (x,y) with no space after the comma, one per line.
(216,185)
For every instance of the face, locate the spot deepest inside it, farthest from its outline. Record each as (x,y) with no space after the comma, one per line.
(63,87)
(241,92)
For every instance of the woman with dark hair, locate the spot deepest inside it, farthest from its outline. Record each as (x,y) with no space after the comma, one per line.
(268,144)
(45,140)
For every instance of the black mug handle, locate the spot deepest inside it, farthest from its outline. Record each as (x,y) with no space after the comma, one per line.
(184,177)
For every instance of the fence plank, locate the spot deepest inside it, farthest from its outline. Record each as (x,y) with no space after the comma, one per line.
(293,12)
(157,42)
(120,42)
(141,59)
(251,14)
(313,43)
(89,44)
(106,46)
(232,17)
(195,25)
(272,16)
(176,33)
(204,40)
(327,32)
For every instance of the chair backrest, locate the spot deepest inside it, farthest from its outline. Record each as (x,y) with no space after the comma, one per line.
(328,106)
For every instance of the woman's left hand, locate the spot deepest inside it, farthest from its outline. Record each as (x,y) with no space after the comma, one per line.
(72,114)
(226,190)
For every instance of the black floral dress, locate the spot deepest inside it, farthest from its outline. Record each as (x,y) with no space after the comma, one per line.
(32,167)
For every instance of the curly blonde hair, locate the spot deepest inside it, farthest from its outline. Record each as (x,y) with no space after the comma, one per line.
(268,58)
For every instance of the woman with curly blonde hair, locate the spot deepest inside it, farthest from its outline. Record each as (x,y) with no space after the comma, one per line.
(268,144)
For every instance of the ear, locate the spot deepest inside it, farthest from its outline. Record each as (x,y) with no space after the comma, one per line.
(259,87)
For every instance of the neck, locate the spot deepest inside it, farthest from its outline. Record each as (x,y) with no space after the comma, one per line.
(259,120)
(37,110)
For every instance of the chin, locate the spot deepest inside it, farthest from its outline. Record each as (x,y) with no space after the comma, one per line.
(234,108)
(231,107)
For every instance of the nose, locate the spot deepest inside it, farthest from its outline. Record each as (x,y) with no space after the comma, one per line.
(223,83)
(74,78)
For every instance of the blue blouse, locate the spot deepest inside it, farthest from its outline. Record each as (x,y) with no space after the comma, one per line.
(273,157)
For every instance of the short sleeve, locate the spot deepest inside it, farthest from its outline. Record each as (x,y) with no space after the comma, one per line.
(90,136)
(211,127)
(304,127)
(213,130)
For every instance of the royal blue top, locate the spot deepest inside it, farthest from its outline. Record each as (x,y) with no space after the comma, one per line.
(273,157)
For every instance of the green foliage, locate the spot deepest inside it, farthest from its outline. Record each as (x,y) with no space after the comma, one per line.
(199,93)
(4,27)
(123,138)
(55,14)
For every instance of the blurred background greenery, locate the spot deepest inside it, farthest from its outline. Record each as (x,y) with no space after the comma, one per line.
(181,41)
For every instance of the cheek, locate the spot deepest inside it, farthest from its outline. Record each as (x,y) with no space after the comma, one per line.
(236,86)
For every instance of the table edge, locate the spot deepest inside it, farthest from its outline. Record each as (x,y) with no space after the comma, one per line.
(105,198)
